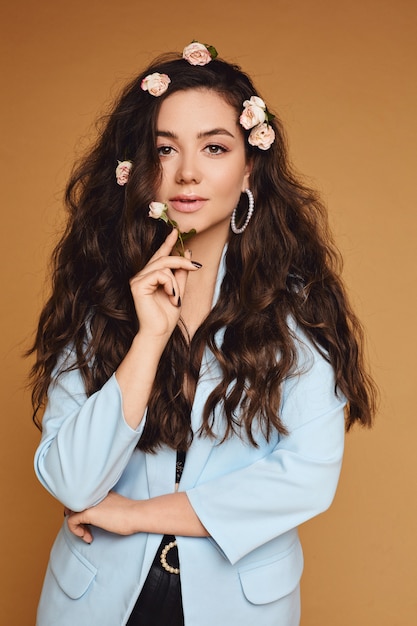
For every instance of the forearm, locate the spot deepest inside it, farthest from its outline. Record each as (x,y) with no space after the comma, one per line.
(156,292)
(135,376)
(171,514)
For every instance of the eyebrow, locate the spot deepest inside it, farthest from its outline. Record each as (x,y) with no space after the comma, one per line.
(208,133)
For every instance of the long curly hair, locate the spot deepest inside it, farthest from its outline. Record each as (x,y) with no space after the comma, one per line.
(283,266)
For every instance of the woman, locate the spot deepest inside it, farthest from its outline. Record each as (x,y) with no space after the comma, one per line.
(197,380)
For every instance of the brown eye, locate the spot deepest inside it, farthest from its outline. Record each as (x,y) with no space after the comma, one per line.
(164,150)
(215,149)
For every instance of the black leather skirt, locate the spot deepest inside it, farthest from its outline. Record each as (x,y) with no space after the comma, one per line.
(160,601)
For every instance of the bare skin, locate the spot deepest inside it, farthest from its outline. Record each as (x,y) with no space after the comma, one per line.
(170,514)
(195,164)
(156,292)
(159,310)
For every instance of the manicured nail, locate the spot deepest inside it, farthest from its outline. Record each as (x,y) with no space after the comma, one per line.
(196,264)
(173,292)
(179,302)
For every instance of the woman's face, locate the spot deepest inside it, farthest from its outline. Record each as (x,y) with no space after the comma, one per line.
(202,152)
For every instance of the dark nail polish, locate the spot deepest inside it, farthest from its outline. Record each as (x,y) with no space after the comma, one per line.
(196,264)
(173,292)
(179,301)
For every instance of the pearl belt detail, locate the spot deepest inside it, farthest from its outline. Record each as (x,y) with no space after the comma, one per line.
(163,558)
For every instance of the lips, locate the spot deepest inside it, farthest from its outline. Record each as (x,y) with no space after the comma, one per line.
(187,203)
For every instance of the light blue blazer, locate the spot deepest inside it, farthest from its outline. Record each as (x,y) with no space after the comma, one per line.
(250,500)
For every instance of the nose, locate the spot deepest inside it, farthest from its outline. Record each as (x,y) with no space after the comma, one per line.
(187,170)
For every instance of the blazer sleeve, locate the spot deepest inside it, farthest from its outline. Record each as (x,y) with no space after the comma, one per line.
(247,508)
(86,442)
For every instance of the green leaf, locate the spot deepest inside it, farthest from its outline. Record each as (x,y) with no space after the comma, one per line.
(188,235)
(212,50)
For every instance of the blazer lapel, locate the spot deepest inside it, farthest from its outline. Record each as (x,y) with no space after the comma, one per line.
(161,471)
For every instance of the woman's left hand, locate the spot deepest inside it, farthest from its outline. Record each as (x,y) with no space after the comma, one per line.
(115,513)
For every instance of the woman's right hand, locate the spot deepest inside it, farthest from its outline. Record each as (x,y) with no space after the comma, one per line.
(157,291)
(158,288)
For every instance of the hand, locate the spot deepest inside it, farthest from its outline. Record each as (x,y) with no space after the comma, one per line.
(115,514)
(157,289)
(170,514)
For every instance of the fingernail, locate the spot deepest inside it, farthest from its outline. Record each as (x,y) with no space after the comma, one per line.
(173,291)
(196,264)
(179,301)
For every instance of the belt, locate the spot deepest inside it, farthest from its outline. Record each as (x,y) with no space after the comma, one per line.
(163,557)
(160,600)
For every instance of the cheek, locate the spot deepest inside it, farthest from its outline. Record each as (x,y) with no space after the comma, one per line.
(233,192)
(163,181)
(232,178)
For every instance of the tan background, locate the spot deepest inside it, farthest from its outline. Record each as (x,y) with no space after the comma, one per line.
(343,77)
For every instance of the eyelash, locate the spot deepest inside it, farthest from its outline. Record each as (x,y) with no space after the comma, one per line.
(160,150)
(219,149)
(167,150)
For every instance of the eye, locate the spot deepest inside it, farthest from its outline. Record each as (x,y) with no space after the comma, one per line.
(164,150)
(214,149)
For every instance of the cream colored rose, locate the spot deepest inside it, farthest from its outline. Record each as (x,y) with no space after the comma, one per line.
(157,210)
(196,54)
(253,112)
(156,84)
(262,136)
(123,171)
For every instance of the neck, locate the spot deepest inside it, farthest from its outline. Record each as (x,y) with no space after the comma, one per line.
(207,247)
(199,291)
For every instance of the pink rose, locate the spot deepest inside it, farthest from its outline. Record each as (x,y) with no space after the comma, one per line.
(196,54)
(262,136)
(253,113)
(123,171)
(156,84)
(157,210)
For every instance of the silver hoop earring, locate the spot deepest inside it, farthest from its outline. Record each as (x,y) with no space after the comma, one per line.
(239,231)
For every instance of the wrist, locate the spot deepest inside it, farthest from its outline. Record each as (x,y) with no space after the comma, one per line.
(136,517)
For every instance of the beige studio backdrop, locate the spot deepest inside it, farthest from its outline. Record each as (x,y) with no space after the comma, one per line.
(342,75)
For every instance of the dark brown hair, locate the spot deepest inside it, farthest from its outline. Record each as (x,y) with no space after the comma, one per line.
(283,266)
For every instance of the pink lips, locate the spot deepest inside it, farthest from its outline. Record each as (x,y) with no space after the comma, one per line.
(185,203)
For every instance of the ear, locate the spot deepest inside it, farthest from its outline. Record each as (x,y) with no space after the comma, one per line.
(248,172)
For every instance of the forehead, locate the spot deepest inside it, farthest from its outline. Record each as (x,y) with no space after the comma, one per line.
(196,106)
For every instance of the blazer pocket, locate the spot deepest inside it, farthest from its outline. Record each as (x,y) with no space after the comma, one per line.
(71,570)
(273,578)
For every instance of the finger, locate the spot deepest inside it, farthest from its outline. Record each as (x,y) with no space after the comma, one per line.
(79,529)
(167,246)
(181,275)
(171,288)
(75,526)
(88,535)
(149,283)
(169,263)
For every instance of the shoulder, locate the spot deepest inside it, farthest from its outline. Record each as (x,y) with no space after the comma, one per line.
(308,354)
(310,389)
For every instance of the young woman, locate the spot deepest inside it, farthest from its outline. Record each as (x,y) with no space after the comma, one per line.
(197,386)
